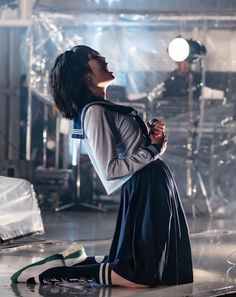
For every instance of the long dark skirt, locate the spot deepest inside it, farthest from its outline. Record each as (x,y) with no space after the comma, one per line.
(151,241)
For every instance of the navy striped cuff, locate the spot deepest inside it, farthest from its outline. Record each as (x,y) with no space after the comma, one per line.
(153,149)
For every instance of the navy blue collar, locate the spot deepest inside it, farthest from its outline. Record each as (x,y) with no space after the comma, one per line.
(78,127)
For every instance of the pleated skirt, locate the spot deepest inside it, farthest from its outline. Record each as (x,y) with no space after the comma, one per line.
(151,242)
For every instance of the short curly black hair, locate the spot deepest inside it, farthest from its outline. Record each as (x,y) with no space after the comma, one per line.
(67,81)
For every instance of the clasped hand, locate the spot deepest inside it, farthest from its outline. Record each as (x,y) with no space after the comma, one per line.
(157,135)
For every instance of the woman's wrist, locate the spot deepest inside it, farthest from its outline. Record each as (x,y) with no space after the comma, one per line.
(154,149)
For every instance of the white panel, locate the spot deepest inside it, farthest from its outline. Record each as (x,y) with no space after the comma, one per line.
(221,50)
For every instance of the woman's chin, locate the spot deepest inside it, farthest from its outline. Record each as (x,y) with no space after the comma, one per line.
(107,81)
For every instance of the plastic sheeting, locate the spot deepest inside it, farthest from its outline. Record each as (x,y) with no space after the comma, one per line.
(139,6)
(19,211)
(134,54)
(135,46)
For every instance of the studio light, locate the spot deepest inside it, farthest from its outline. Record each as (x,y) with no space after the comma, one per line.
(178,49)
(181,49)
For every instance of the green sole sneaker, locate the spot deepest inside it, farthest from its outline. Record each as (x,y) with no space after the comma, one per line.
(35,269)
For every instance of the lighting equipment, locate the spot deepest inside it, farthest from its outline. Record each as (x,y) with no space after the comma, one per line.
(191,51)
(181,49)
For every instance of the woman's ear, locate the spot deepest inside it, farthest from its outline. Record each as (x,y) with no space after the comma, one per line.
(88,77)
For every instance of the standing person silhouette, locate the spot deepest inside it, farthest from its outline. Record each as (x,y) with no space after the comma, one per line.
(177,83)
(151,244)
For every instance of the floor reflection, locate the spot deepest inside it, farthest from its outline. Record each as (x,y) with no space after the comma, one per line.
(213,249)
(74,289)
(56,290)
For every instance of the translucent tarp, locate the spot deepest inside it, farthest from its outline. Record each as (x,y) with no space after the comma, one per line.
(19,211)
(138,6)
(135,46)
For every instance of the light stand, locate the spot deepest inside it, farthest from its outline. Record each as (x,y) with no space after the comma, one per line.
(181,50)
(194,139)
(190,138)
(197,140)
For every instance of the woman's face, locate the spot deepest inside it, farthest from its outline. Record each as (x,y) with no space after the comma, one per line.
(100,76)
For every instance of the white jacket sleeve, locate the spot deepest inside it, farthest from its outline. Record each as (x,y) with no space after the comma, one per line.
(99,129)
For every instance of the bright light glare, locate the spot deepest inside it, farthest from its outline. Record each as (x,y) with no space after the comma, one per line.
(178,49)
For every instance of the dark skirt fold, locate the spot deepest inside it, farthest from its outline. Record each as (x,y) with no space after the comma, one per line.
(151,241)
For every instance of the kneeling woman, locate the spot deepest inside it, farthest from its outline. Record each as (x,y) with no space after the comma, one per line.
(151,242)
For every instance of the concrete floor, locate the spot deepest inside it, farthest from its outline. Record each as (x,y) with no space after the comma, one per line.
(213,241)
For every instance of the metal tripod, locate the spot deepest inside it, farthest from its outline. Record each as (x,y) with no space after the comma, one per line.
(191,155)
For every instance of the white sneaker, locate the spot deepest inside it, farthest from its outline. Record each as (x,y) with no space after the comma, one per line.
(31,272)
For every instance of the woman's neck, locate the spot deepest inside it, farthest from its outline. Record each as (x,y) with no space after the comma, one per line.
(99,92)
(94,98)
